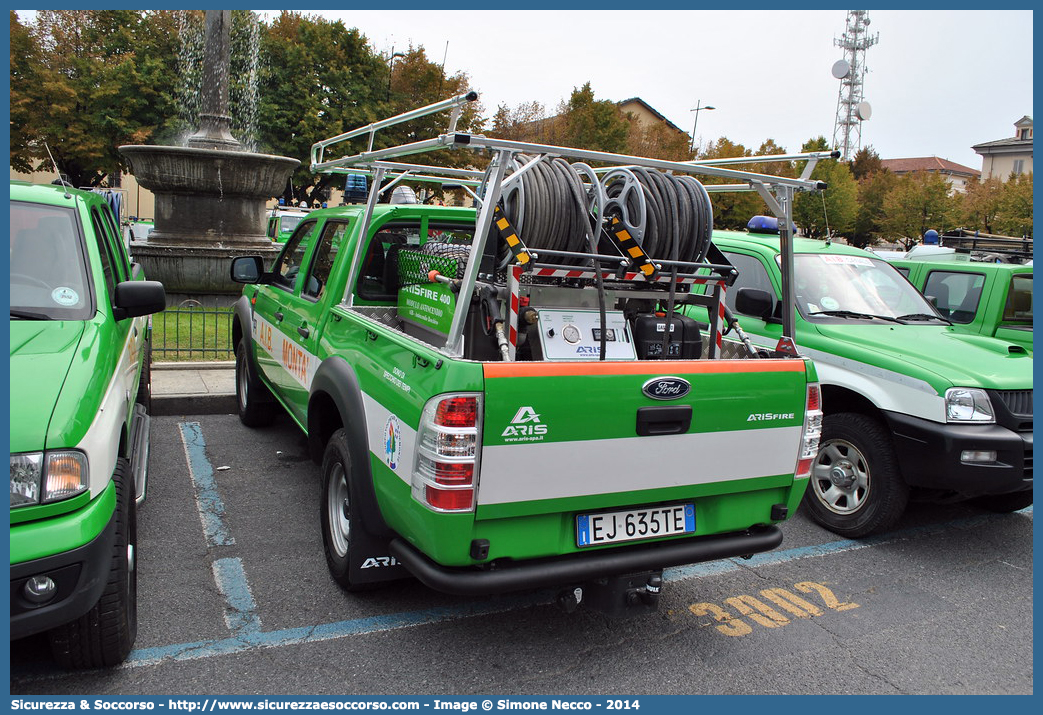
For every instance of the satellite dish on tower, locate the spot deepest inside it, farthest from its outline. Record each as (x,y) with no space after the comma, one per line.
(841,69)
(863,111)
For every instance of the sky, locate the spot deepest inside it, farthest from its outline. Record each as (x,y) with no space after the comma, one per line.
(938,81)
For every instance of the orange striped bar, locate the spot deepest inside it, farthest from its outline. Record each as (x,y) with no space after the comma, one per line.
(656,367)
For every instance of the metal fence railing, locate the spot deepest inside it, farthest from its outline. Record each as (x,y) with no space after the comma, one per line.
(192,332)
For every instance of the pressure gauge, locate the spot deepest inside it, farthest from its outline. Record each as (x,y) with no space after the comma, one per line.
(570,333)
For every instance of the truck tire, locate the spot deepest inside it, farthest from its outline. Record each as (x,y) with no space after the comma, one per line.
(339,519)
(255,405)
(1004,503)
(105,634)
(856,488)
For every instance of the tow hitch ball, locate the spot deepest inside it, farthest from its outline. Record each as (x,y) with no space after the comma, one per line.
(616,596)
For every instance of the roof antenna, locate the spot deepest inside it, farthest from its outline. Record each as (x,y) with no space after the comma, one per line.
(825,215)
(55,165)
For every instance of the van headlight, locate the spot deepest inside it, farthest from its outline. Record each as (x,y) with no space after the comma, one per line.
(44,477)
(968,404)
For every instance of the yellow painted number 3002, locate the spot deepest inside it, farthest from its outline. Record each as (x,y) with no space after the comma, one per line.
(783,605)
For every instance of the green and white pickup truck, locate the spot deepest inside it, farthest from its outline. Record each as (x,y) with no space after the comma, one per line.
(913,407)
(282,222)
(489,421)
(993,299)
(80,393)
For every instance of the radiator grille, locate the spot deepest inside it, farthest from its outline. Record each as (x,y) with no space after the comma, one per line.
(1019,402)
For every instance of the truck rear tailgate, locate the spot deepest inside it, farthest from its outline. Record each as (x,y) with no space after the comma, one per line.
(557,431)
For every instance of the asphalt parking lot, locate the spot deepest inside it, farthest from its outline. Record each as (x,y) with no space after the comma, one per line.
(234,598)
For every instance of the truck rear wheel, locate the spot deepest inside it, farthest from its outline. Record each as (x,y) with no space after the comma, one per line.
(338,515)
(105,634)
(256,408)
(856,488)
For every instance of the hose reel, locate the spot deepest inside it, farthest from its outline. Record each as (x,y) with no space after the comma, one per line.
(554,205)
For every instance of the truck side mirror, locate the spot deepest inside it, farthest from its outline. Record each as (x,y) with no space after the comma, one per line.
(248,269)
(756,302)
(135,298)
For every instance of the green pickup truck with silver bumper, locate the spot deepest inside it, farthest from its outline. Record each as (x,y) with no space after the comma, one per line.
(488,421)
(79,423)
(913,406)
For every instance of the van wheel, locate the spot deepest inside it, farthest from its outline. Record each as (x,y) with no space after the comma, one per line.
(254,401)
(340,521)
(105,634)
(1004,503)
(856,488)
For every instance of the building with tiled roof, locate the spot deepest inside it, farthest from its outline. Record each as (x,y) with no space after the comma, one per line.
(1004,158)
(957,175)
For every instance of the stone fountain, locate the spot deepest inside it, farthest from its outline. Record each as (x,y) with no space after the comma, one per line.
(210,195)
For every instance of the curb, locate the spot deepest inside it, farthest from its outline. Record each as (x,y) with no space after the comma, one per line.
(171,405)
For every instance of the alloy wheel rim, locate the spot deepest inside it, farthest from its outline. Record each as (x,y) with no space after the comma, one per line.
(841,477)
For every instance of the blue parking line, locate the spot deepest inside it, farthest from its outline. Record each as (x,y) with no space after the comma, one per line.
(208,500)
(241,611)
(248,637)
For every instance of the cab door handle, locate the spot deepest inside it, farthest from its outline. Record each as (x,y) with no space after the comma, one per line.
(278,315)
(303,331)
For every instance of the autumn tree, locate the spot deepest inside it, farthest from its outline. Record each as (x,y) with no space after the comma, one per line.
(657,141)
(526,122)
(981,203)
(1014,215)
(917,202)
(90,80)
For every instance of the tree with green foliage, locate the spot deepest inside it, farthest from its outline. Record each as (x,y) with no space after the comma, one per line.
(981,204)
(866,163)
(917,202)
(320,79)
(597,125)
(731,210)
(89,81)
(833,211)
(1014,215)
(872,188)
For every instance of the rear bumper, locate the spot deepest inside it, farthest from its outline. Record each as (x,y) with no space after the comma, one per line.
(929,455)
(577,568)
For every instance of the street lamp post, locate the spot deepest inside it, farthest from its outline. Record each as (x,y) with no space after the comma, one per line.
(698,108)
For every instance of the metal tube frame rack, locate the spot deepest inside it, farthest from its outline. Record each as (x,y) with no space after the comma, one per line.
(776,191)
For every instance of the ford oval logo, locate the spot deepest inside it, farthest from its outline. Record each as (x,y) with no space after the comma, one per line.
(666,388)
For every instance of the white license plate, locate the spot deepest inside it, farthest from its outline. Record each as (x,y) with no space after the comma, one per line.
(614,526)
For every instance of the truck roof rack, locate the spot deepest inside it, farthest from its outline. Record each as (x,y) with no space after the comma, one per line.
(616,195)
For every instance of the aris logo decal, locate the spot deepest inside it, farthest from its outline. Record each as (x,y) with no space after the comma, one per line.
(392,442)
(525,427)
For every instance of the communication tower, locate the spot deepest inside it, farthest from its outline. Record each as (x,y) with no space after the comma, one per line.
(852,109)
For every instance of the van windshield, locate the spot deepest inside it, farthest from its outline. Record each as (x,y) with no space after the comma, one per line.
(48,277)
(835,285)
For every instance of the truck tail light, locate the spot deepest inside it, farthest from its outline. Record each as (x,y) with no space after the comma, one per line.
(812,432)
(449,439)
